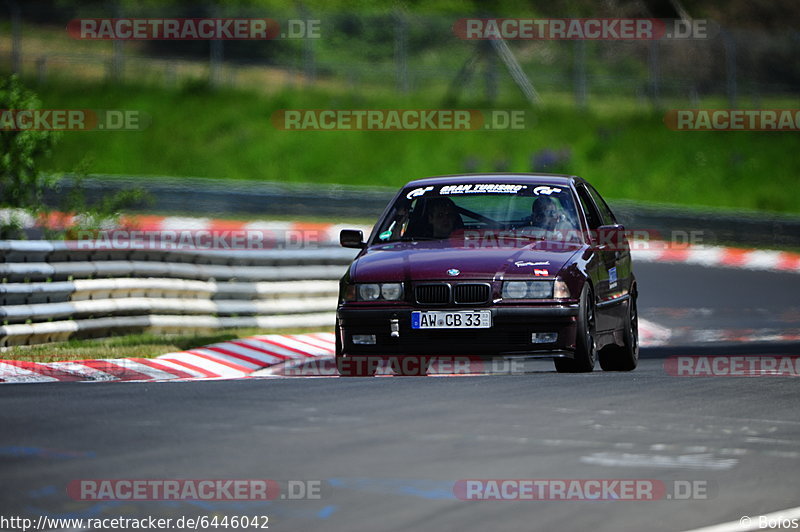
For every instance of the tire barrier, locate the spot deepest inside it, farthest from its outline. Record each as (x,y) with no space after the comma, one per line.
(51,291)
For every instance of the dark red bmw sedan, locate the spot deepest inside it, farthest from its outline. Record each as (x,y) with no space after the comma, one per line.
(488,266)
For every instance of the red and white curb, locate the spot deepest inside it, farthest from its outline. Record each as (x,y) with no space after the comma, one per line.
(689,336)
(717,256)
(296,234)
(231,359)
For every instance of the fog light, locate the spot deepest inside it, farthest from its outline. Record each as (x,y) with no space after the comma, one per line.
(364,339)
(544,338)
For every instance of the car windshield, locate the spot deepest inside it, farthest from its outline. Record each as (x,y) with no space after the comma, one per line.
(524,211)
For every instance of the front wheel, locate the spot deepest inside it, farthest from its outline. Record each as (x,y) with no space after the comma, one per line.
(585,347)
(624,357)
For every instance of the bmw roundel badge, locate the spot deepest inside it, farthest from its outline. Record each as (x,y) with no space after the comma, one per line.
(452,272)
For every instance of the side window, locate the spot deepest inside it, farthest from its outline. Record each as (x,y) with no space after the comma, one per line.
(605,213)
(592,216)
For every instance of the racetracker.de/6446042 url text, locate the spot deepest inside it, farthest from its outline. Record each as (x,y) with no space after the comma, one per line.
(198,522)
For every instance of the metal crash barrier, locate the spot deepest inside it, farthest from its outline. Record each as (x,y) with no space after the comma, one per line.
(51,291)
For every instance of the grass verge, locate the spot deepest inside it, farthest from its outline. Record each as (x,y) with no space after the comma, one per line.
(624,149)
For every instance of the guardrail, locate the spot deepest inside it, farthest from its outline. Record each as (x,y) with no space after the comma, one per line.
(53,291)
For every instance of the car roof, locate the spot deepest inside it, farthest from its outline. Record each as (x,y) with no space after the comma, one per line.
(545,179)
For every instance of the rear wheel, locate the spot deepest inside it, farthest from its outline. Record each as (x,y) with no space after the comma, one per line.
(624,357)
(585,350)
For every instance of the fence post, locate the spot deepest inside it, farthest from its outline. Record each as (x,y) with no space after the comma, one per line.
(171,74)
(309,64)
(401,51)
(117,66)
(655,73)
(731,87)
(490,75)
(580,73)
(215,57)
(16,37)
(41,69)
(215,62)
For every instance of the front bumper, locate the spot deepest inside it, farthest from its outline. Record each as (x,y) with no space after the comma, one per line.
(510,333)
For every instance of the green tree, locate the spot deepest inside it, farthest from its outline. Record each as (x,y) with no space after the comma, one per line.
(22,184)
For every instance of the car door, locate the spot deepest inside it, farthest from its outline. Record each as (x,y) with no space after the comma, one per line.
(603,263)
(621,247)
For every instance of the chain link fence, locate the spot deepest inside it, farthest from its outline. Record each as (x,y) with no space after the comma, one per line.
(397,52)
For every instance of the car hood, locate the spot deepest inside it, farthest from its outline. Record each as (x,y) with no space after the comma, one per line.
(431,260)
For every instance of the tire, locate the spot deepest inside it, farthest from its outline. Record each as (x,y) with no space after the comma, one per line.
(585,346)
(624,357)
(353,366)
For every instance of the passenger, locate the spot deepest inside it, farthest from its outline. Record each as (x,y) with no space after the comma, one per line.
(443,217)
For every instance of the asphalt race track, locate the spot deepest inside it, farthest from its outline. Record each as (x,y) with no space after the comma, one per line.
(388,451)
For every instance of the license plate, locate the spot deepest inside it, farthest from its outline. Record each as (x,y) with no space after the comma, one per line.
(443,319)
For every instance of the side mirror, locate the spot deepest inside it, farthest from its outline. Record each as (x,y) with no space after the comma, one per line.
(611,237)
(352,238)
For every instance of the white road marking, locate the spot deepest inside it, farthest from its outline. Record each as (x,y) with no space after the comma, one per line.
(748,523)
(684,461)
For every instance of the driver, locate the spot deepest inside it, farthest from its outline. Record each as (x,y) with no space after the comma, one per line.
(545,213)
(548,220)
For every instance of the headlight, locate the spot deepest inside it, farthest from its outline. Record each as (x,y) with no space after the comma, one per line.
(528,290)
(536,290)
(391,291)
(369,292)
(515,290)
(382,291)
